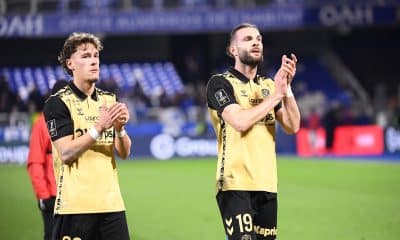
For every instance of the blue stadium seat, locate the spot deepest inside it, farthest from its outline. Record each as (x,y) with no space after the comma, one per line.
(164,79)
(18,77)
(41,82)
(117,75)
(50,76)
(6,72)
(150,77)
(128,75)
(28,77)
(318,78)
(104,72)
(60,74)
(174,77)
(138,75)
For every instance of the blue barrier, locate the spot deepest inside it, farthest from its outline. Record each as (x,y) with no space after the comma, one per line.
(197,20)
(163,146)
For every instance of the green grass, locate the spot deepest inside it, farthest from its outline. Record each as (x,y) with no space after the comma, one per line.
(174,200)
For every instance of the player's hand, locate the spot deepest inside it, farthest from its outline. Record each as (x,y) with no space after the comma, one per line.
(281,83)
(289,65)
(288,68)
(105,119)
(119,115)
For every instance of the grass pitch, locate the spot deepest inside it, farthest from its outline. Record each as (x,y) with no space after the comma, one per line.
(174,200)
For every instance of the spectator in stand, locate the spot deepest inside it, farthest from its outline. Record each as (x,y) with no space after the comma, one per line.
(7,97)
(40,168)
(331,121)
(314,123)
(36,98)
(393,111)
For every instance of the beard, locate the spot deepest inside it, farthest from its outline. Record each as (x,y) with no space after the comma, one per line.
(247,59)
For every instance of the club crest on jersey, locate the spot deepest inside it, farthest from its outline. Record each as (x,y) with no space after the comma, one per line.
(265,92)
(221,97)
(51,125)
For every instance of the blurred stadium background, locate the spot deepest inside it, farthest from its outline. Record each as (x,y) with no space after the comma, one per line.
(159,55)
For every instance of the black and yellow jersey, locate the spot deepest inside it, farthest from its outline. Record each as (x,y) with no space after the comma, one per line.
(90,183)
(246,160)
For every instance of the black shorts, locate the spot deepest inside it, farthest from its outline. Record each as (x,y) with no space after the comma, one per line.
(248,215)
(96,226)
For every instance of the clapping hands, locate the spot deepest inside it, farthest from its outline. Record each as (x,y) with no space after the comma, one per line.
(284,77)
(116,115)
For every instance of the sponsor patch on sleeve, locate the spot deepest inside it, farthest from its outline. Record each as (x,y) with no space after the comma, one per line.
(221,97)
(51,125)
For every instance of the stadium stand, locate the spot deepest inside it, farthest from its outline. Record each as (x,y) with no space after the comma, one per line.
(64,6)
(160,83)
(149,76)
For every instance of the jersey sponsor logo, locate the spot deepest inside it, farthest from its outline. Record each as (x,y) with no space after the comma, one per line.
(266,231)
(92,118)
(269,119)
(221,97)
(255,101)
(51,125)
(106,135)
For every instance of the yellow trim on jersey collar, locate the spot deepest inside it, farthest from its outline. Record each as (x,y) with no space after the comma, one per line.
(242,77)
(81,94)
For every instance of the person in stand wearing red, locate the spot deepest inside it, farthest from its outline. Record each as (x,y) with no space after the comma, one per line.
(314,123)
(40,168)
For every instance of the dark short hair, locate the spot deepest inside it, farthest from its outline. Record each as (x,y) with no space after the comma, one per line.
(233,32)
(71,44)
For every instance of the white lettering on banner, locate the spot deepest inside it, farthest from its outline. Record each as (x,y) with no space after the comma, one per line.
(155,20)
(164,147)
(393,140)
(21,25)
(365,140)
(16,133)
(186,147)
(216,19)
(321,142)
(294,16)
(14,154)
(67,24)
(345,15)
